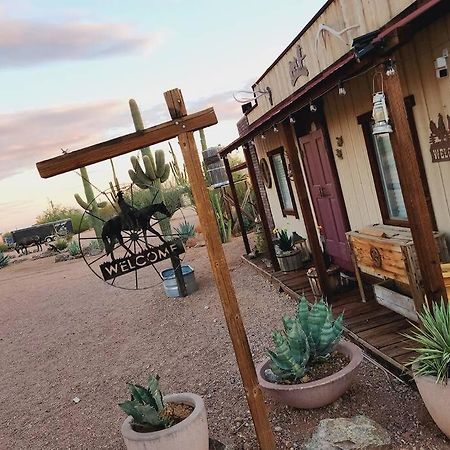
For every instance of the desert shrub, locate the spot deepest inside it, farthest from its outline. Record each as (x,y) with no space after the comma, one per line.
(74,248)
(185,230)
(3,248)
(53,213)
(60,244)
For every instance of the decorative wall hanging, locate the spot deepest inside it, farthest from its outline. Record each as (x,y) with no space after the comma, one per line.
(136,241)
(267,178)
(440,140)
(297,67)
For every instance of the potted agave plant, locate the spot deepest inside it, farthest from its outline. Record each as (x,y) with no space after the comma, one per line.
(432,365)
(290,255)
(310,366)
(155,422)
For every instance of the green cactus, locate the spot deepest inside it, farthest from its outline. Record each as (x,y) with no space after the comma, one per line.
(203,139)
(307,337)
(90,204)
(147,407)
(320,328)
(155,170)
(180,175)
(224,225)
(4,260)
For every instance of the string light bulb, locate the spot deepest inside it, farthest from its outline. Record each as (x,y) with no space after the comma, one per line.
(291,120)
(390,68)
(312,107)
(263,136)
(341,89)
(275,129)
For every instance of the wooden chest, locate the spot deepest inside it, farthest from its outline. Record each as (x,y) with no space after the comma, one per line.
(388,252)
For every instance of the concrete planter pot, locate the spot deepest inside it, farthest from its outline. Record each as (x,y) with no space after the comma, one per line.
(314,394)
(436,397)
(191,433)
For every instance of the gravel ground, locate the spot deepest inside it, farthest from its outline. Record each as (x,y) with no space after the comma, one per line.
(65,334)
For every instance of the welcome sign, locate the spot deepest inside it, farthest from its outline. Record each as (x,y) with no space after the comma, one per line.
(122,266)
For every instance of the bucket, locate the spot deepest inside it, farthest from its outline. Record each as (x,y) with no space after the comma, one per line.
(170,282)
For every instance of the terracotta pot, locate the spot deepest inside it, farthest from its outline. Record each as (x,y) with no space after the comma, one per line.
(314,394)
(191,433)
(436,397)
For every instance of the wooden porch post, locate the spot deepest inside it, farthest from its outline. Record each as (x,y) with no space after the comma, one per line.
(237,206)
(408,169)
(219,267)
(260,206)
(288,137)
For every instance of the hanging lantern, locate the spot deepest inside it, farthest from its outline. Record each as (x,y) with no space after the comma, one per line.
(379,112)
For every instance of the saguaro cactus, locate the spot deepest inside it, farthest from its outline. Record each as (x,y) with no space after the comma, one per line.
(154,171)
(90,204)
(180,176)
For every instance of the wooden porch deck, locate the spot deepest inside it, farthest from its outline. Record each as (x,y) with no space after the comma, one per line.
(372,326)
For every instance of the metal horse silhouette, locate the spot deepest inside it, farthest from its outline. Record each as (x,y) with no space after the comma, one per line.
(130,219)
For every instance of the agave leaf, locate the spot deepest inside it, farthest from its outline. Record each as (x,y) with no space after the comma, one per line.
(303,313)
(129,408)
(279,361)
(150,415)
(153,388)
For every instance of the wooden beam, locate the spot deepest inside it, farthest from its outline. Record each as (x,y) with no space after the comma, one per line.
(237,206)
(260,206)
(408,169)
(288,137)
(125,144)
(222,276)
(237,167)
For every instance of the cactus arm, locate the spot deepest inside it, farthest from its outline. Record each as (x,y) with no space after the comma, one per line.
(166,174)
(160,163)
(149,166)
(81,202)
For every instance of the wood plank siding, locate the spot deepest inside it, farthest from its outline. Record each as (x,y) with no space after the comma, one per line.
(366,15)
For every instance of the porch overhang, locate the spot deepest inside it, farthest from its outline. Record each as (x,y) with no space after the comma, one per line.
(414,17)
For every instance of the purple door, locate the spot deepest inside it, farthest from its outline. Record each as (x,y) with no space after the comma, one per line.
(326,197)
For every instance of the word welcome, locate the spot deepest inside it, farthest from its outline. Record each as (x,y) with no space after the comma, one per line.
(122,266)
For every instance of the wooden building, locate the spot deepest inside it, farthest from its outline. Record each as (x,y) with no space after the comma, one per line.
(309,134)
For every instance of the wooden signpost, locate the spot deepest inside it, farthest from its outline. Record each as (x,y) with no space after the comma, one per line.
(182,126)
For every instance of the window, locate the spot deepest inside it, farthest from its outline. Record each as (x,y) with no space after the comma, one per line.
(389,177)
(384,170)
(282,182)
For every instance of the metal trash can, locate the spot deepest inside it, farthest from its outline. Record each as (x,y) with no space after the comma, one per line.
(170,282)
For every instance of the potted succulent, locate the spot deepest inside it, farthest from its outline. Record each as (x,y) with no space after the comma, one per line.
(155,422)
(310,366)
(291,254)
(432,365)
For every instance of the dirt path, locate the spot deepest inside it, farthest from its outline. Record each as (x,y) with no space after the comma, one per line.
(65,334)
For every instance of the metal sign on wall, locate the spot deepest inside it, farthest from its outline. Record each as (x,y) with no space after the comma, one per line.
(297,67)
(440,140)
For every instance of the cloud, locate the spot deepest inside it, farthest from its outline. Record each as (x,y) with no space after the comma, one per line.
(29,136)
(25,43)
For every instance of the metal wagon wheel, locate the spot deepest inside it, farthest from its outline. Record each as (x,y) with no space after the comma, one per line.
(135,242)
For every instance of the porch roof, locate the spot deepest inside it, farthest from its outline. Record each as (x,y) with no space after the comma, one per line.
(346,66)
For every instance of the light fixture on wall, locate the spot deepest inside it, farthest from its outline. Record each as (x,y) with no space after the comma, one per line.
(341,89)
(312,107)
(390,67)
(275,129)
(379,112)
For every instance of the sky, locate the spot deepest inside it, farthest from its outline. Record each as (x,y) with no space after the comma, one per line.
(68,69)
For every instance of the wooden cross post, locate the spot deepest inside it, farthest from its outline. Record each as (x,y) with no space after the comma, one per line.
(221,273)
(183,126)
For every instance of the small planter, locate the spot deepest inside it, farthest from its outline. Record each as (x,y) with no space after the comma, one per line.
(191,433)
(170,282)
(292,259)
(436,397)
(314,394)
(334,280)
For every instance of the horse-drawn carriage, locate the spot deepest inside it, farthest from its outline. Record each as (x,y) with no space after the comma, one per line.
(38,234)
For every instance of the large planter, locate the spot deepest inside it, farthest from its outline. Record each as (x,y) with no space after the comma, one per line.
(191,433)
(292,259)
(436,397)
(314,394)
